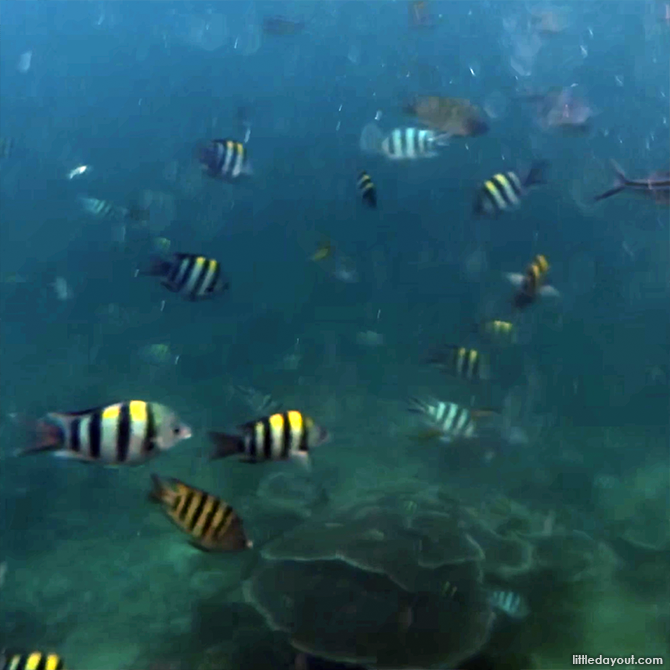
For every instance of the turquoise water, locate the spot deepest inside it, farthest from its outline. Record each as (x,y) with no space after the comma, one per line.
(95,572)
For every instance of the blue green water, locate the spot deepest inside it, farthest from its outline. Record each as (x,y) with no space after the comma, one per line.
(93,570)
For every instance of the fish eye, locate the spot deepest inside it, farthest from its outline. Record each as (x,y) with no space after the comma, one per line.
(176,430)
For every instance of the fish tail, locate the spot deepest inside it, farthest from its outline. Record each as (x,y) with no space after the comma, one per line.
(371,139)
(225,445)
(160,492)
(49,436)
(620,183)
(536,174)
(158,267)
(443,139)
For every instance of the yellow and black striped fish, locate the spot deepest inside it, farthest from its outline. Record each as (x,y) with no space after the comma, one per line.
(461,362)
(277,437)
(505,190)
(126,433)
(211,522)
(36,660)
(192,276)
(498,331)
(224,159)
(367,189)
(532,283)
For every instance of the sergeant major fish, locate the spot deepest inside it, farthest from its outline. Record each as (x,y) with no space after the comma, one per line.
(469,364)
(224,159)
(125,433)
(277,437)
(505,190)
(36,660)
(190,275)
(367,189)
(510,603)
(401,143)
(104,209)
(532,284)
(448,420)
(212,523)
(499,331)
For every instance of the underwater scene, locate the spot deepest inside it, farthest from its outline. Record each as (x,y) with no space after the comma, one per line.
(334,335)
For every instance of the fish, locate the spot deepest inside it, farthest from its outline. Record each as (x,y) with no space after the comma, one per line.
(125,433)
(499,331)
(6,147)
(462,362)
(454,116)
(211,522)
(505,190)
(655,186)
(192,276)
(510,603)
(282,26)
(448,420)
(224,159)
(79,170)
(323,251)
(277,437)
(532,283)
(35,660)
(419,15)
(158,354)
(401,143)
(562,109)
(367,189)
(104,209)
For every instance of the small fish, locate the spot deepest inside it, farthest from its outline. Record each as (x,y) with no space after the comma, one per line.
(158,354)
(533,283)
(461,362)
(453,116)
(500,331)
(62,289)
(36,660)
(224,159)
(125,433)
(104,209)
(367,189)
(282,26)
(510,603)
(192,276)
(323,251)
(6,147)
(261,403)
(212,523)
(562,109)
(449,420)
(505,190)
(76,172)
(655,186)
(401,143)
(419,15)
(280,436)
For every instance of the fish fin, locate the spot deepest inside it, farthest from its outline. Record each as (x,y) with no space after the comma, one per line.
(536,174)
(302,458)
(196,545)
(428,434)
(225,445)
(442,140)
(515,278)
(158,267)
(50,436)
(160,492)
(371,139)
(548,291)
(620,183)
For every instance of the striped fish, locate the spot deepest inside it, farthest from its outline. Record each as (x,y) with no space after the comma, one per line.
(510,603)
(450,420)
(126,433)
(35,660)
(367,189)
(461,362)
(532,283)
(277,437)
(103,209)
(401,143)
(211,522)
(499,331)
(505,190)
(192,276)
(224,159)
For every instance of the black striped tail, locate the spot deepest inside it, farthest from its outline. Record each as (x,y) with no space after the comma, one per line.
(225,445)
